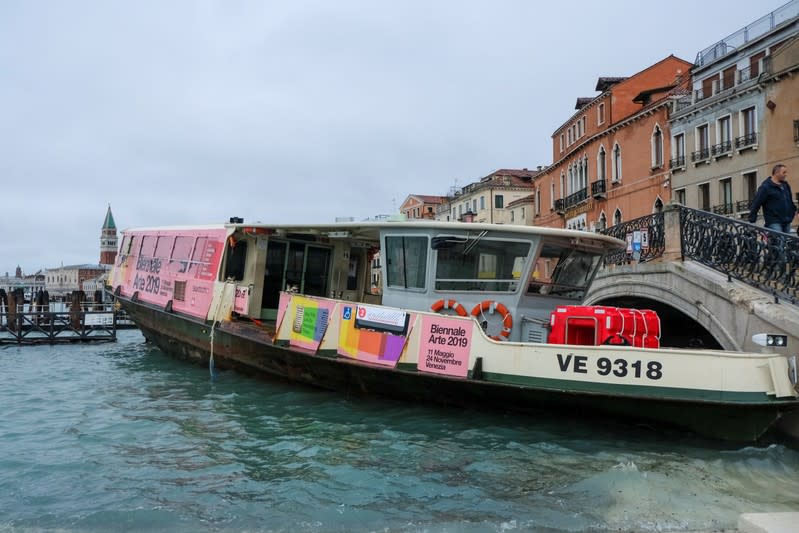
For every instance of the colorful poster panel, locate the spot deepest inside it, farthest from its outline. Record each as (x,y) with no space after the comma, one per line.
(282,306)
(445,345)
(309,318)
(374,335)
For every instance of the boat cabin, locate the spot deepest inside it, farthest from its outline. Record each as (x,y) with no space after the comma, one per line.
(509,277)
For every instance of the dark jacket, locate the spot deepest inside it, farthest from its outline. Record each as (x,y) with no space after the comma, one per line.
(776,201)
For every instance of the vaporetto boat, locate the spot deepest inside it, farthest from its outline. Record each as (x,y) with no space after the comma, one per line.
(477,315)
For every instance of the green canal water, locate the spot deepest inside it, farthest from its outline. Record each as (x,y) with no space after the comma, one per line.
(119,437)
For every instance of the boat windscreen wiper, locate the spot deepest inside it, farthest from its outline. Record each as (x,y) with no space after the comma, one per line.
(468,248)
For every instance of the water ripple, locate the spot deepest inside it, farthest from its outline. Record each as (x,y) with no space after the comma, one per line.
(120,437)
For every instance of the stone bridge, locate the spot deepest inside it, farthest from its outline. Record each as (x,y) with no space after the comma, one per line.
(719,298)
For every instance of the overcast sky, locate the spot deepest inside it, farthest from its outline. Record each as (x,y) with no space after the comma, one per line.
(190,112)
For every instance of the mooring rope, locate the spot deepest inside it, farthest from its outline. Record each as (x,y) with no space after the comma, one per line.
(211,368)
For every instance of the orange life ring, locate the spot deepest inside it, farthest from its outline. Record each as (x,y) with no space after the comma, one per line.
(507,319)
(449,304)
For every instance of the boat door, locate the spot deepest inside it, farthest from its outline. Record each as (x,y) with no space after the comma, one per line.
(293,264)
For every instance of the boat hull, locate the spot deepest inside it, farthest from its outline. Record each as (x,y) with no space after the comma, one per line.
(233,347)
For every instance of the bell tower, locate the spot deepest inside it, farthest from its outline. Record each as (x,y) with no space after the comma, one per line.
(108,240)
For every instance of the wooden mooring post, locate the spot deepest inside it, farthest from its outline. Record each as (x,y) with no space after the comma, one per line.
(80,321)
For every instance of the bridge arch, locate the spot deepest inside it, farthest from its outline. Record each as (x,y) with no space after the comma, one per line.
(685,320)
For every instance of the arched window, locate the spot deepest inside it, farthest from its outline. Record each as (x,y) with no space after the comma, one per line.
(602,224)
(617,217)
(657,147)
(658,205)
(601,174)
(552,195)
(585,172)
(616,162)
(562,185)
(538,201)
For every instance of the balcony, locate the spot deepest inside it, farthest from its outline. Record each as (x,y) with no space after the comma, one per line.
(742,206)
(748,33)
(599,189)
(677,163)
(700,155)
(746,141)
(562,204)
(721,148)
(723,209)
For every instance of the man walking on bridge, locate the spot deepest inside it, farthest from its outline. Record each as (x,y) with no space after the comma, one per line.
(774,195)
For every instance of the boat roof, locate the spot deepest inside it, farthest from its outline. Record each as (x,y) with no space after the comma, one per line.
(371,229)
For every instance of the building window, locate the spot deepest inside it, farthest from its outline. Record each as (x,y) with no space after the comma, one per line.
(538,202)
(750,187)
(561,142)
(796,131)
(602,224)
(724,136)
(657,148)
(702,144)
(482,202)
(617,217)
(678,146)
(704,197)
(562,184)
(748,128)
(499,201)
(728,78)
(725,191)
(679,196)
(616,163)
(600,114)
(600,164)
(707,86)
(512,215)
(552,195)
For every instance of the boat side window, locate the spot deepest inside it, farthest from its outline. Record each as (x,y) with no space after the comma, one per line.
(236,257)
(480,264)
(406,262)
(163,247)
(148,246)
(200,266)
(181,254)
(563,271)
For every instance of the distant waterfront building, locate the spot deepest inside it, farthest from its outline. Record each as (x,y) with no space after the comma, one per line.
(489,199)
(29,284)
(421,206)
(108,240)
(66,279)
(741,117)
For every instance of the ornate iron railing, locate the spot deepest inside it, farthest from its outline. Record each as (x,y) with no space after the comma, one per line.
(746,140)
(645,238)
(599,188)
(677,162)
(723,209)
(721,148)
(762,258)
(700,155)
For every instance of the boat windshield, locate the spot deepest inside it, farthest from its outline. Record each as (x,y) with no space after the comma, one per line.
(563,271)
(480,264)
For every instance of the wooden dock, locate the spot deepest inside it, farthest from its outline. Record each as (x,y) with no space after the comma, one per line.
(65,322)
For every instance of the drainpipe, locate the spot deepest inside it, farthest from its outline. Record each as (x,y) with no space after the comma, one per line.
(491,206)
